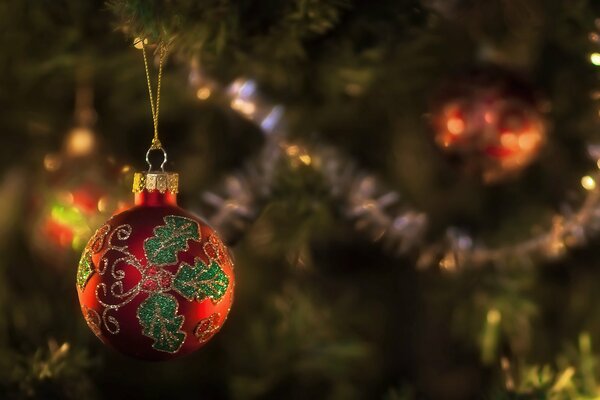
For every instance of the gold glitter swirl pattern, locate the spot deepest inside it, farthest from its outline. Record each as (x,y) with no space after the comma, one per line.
(122,233)
(158,313)
(207,328)
(97,241)
(92,318)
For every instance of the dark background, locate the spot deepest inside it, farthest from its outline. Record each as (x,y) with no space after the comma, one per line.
(321,310)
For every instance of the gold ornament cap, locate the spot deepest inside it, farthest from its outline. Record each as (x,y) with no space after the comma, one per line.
(160,180)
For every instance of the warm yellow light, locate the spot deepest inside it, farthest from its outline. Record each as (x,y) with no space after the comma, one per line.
(80,142)
(66,197)
(509,140)
(203,93)
(298,155)
(595,58)
(245,107)
(529,141)
(449,262)
(564,379)
(138,43)
(493,316)
(305,159)
(292,150)
(249,108)
(455,125)
(588,183)
(103,204)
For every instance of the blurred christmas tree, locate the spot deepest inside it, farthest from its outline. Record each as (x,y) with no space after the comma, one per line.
(273,112)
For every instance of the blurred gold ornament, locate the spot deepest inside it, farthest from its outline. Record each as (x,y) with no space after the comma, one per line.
(81,141)
(203,93)
(588,183)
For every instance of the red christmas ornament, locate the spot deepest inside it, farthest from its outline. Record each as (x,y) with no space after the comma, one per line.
(72,199)
(155,282)
(490,122)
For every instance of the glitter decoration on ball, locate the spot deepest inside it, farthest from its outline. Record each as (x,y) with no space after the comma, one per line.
(489,122)
(155,282)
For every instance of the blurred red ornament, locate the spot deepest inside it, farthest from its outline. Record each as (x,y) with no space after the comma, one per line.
(155,282)
(490,122)
(76,194)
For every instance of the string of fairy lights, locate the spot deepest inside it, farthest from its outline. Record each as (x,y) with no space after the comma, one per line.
(374,208)
(368,203)
(239,198)
(365,200)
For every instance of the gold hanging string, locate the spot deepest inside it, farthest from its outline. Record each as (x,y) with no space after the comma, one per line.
(155,105)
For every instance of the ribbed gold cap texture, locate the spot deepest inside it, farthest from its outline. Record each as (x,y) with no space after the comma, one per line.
(161,181)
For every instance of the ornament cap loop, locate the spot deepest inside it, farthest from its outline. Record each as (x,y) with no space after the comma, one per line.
(156,145)
(160,181)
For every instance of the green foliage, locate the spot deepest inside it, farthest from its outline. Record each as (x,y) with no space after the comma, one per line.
(217,25)
(572,378)
(53,371)
(499,311)
(403,393)
(299,213)
(296,340)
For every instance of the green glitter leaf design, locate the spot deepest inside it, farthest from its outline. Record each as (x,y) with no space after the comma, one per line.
(201,281)
(85,269)
(158,317)
(170,239)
